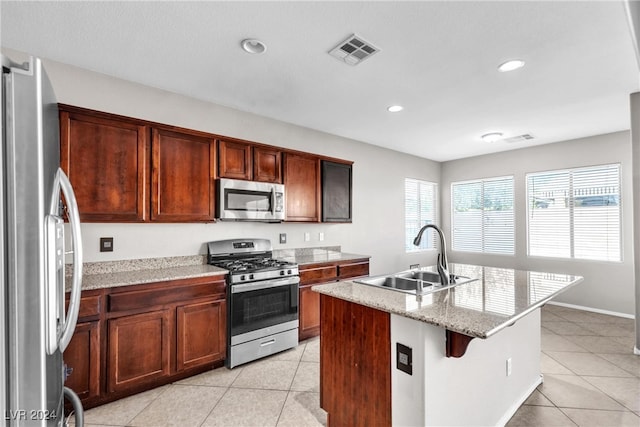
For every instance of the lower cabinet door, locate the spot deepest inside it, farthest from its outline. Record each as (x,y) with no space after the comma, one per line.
(309,313)
(201,334)
(82,357)
(139,349)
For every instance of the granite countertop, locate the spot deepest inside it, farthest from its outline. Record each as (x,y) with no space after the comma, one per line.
(479,309)
(111,274)
(316,255)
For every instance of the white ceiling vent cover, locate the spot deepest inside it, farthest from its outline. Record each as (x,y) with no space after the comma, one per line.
(519,138)
(353,50)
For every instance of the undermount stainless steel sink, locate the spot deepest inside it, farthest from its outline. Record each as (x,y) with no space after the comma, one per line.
(417,282)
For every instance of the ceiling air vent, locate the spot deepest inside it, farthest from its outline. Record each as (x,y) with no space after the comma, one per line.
(519,138)
(353,50)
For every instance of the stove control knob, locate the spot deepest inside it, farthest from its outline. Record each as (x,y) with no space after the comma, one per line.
(242,277)
(251,277)
(282,272)
(288,271)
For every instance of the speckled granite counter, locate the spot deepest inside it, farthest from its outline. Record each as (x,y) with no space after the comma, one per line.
(478,309)
(303,256)
(98,275)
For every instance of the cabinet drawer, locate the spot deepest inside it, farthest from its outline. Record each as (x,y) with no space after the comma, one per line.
(355,269)
(90,306)
(318,274)
(164,295)
(91,303)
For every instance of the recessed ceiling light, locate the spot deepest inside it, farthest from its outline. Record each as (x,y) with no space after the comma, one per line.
(511,65)
(395,108)
(253,46)
(492,137)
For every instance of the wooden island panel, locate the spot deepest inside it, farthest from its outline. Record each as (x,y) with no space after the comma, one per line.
(355,364)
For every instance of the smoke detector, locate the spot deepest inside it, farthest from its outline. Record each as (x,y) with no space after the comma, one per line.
(353,50)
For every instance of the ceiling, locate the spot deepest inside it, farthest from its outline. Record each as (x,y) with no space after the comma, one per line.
(437,59)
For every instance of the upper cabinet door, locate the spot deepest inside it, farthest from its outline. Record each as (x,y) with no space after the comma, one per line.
(302,187)
(105,159)
(182,187)
(267,165)
(235,160)
(336,192)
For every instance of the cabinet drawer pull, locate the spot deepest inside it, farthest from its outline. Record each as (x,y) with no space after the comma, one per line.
(266,343)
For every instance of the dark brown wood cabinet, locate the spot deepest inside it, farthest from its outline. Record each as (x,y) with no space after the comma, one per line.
(82,357)
(267,165)
(130,170)
(236,161)
(313,274)
(183,178)
(355,364)
(133,338)
(106,160)
(302,187)
(139,349)
(201,332)
(309,323)
(336,192)
(244,160)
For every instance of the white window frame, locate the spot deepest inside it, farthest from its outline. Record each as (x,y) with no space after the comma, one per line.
(485,244)
(428,242)
(570,202)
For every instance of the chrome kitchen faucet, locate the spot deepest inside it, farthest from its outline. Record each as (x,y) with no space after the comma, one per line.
(443,269)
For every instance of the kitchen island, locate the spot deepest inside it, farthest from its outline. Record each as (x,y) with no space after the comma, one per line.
(467,355)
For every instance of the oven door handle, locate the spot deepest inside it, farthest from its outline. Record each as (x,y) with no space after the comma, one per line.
(247,287)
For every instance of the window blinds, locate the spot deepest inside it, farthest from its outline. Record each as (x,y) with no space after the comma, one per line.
(575,213)
(483,216)
(420,209)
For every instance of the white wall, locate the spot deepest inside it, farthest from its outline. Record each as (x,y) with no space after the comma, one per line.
(378,176)
(607,286)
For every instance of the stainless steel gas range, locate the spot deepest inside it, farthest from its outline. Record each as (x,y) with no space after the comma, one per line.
(262,299)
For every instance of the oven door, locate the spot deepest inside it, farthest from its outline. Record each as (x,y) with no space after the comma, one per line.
(262,304)
(250,200)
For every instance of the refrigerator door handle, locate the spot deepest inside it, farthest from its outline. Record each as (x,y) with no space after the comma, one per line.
(64,330)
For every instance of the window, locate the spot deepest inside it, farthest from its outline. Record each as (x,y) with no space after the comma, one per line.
(482,216)
(575,213)
(419,210)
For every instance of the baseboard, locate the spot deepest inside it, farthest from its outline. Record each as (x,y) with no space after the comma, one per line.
(593,310)
(514,408)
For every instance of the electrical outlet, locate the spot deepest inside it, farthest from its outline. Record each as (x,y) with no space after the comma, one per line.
(307,237)
(283,238)
(509,367)
(321,236)
(106,244)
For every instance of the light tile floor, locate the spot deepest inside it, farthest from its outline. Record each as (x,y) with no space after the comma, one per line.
(591,378)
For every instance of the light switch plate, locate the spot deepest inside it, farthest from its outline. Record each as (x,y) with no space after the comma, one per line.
(283,238)
(404,358)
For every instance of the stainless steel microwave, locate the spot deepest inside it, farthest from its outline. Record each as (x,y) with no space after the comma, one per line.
(249,201)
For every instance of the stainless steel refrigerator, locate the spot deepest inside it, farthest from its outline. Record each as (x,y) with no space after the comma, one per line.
(35,327)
